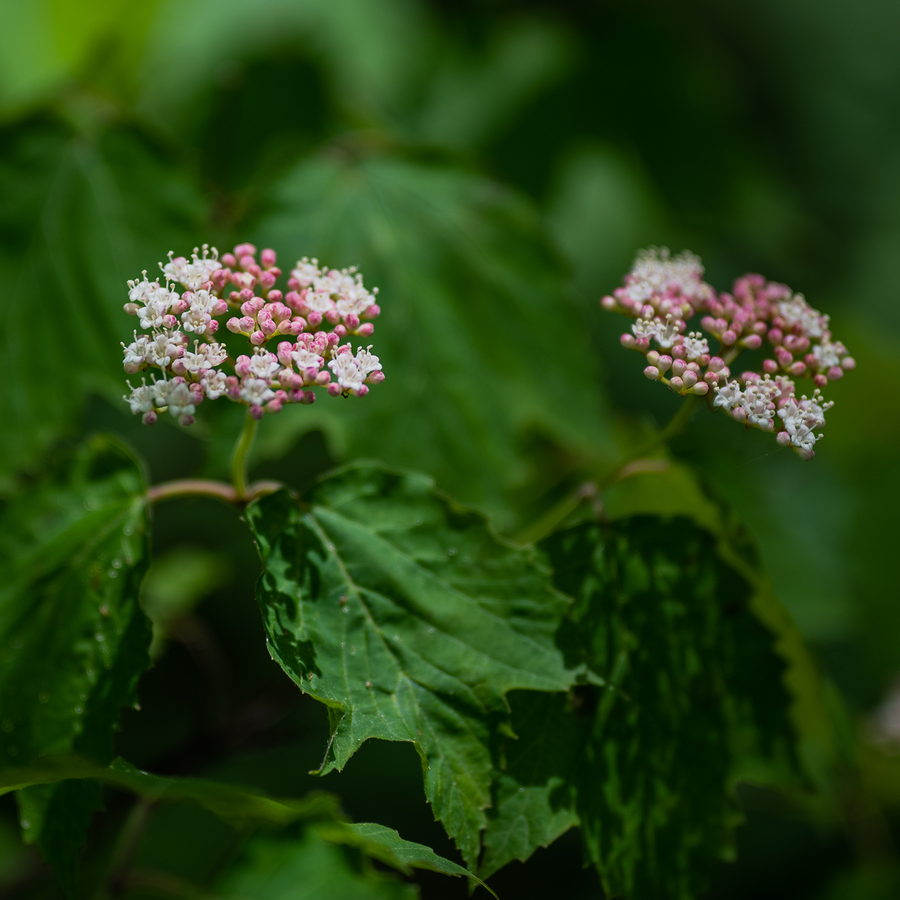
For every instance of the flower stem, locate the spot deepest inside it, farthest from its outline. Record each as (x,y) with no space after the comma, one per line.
(202,487)
(239,460)
(672,430)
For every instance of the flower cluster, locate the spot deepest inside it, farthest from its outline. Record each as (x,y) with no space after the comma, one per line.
(310,325)
(663,293)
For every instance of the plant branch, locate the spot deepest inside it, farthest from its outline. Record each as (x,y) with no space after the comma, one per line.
(219,490)
(239,460)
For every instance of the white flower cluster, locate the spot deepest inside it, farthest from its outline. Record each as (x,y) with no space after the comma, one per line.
(323,309)
(762,402)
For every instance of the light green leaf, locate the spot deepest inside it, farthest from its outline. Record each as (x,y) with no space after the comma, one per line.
(484,351)
(696,701)
(73,553)
(411,621)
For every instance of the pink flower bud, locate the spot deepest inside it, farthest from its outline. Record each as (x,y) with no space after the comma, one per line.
(716,364)
(711,378)
(375,378)
(352,322)
(647,311)
(783,439)
(170,321)
(627,340)
(776,336)
(752,342)
(728,337)
(820,380)
(770,366)
(314,318)
(739,414)
(848,363)
(267,280)
(247,323)
(651,372)
(258,338)
(257,412)
(797,369)
(212,327)
(244,250)
(642,345)
(709,323)
(700,388)
(333,389)
(373,312)
(274,406)
(340,331)
(234,325)
(267,326)
(267,258)
(678,366)
(366,329)
(294,301)
(676,384)
(663,363)
(246,262)
(308,397)
(219,308)
(608,303)
(229,260)
(323,378)
(835,373)
(689,378)
(149,418)
(185,420)
(678,351)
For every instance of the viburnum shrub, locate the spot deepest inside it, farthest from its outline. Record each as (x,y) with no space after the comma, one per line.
(603,676)
(663,293)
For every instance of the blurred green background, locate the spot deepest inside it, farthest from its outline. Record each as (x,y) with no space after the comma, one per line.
(493,167)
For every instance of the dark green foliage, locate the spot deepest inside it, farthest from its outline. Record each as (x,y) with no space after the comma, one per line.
(73,639)
(411,621)
(476,316)
(695,695)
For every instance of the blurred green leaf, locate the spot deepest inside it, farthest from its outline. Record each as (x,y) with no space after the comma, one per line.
(480,342)
(85,208)
(306,868)
(73,639)
(402,613)
(696,700)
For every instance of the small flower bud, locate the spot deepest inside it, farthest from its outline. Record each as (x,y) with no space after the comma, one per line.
(651,372)
(352,322)
(653,357)
(678,367)
(267,258)
(257,412)
(275,296)
(820,380)
(689,378)
(627,341)
(366,329)
(848,363)
(131,309)
(752,342)
(149,418)
(334,389)
(229,261)
(728,337)
(797,369)
(314,318)
(663,363)
(676,384)
(776,336)
(739,414)
(309,397)
(835,372)
(258,338)
(770,366)
(608,303)
(700,388)
(340,331)
(373,312)
(783,439)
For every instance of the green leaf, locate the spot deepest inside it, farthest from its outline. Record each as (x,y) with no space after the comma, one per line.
(307,867)
(240,806)
(696,700)
(73,639)
(87,205)
(480,341)
(410,620)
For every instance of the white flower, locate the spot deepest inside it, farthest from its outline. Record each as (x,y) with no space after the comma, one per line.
(644,328)
(214,383)
(319,300)
(256,391)
(136,353)
(158,302)
(828,354)
(757,401)
(141,399)
(695,345)
(306,272)
(205,356)
(656,272)
(163,347)
(797,311)
(367,361)
(195,273)
(197,318)
(181,401)
(667,334)
(354,299)
(306,359)
(347,371)
(728,396)
(263,364)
